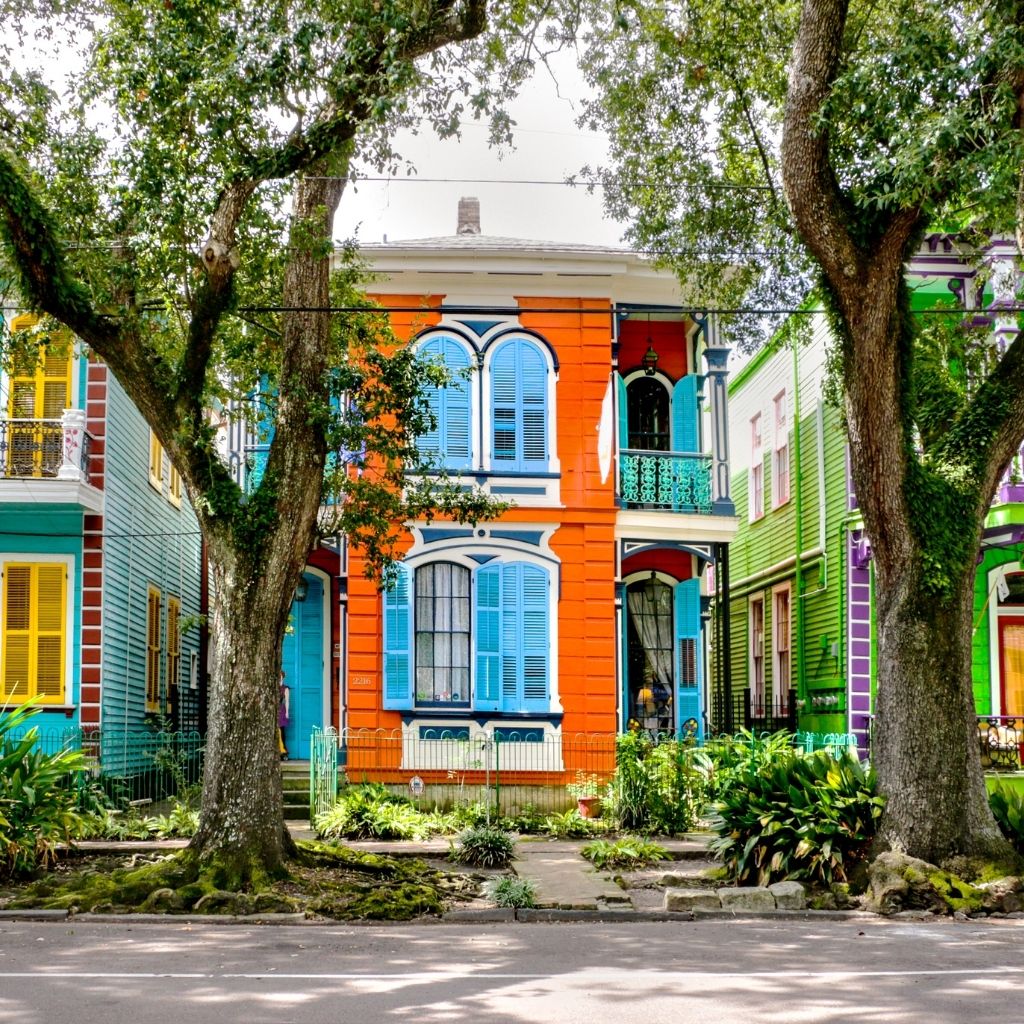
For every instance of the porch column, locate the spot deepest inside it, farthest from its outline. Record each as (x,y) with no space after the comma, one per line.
(73,425)
(717,356)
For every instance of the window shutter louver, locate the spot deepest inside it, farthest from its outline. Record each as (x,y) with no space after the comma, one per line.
(688,669)
(398,642)
(536,647)
(153,607)
(34,632)
(450,439)
(487,587)
(685,432)
(519,407)
(623,404)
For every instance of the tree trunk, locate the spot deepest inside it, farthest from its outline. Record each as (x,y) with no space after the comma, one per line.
(242,831)
(255,564)
(925,745)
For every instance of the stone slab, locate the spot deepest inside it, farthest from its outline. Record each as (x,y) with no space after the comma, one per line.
(746,897)
(692,899)
(789,895)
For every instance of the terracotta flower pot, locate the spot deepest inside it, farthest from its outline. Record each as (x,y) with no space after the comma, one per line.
(589,806)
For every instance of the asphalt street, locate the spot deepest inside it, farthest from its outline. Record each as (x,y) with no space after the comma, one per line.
(869,972)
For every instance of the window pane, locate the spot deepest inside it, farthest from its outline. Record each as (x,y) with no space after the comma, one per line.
(442,634)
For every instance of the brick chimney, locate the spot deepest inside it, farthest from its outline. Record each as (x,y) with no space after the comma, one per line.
(469,216)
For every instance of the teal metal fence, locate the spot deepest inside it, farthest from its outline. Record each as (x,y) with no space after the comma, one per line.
(132,766)
(323,771)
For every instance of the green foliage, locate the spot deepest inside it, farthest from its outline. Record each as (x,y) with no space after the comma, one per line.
(726,759)
(38,796)
(485,846)
(529,820)
(807,818)
(569,825)
(371,811)
(510,891)
(1007,806)
(630,852)
(656,787)
(585,784)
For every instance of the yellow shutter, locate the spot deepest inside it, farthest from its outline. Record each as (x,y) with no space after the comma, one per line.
(156,462)
(174,486)
(153,651)
(173,646)
(35,612)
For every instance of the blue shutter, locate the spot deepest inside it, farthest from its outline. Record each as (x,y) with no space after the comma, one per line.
(504,408)
(622,401)
(685,424)
(533,378)
(449,440)
(688,667)
(519,407)
(535,640)
(457,411)
(398,642)
(487,638)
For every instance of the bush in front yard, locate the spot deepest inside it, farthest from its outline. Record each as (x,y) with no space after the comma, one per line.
(486,846)
(38,798)
(809,818)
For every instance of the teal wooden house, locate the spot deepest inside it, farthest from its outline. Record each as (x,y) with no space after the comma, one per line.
(100,574)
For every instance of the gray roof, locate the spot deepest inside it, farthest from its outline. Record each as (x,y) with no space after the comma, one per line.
(492,243)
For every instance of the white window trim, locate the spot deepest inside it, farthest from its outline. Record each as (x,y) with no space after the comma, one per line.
(72,693)
(756,461)
(995,613)
(460,555)
(780,441)
(787,589)
(751,602)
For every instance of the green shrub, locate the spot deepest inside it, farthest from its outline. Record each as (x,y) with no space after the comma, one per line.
(371,811)
(656,787)
(630,852)
(181,823)
(486,846)
(510,891)
(807,818)
(1008,808)
(529,820)
(113,825)
(38,796)
(728,758)
(569,825)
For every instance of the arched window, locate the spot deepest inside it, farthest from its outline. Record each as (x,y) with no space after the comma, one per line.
(647,402)
(519,407)
(450,440)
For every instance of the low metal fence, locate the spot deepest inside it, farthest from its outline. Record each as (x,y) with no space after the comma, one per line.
(512,770)
(131,766)
(1002,741)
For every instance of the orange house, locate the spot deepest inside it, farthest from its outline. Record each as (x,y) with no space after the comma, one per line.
(577,396)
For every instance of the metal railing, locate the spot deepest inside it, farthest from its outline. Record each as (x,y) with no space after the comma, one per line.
(1002,739)
(740,710)
(672,481)
(131,766)
(512,770)
(37,449)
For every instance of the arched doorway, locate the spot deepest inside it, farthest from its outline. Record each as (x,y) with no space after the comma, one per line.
(649,656)
(648,412)
(302,661)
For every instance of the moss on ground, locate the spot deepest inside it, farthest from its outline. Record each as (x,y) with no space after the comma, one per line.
(323,881)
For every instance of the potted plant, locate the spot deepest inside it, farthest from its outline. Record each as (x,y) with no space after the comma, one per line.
(585,790)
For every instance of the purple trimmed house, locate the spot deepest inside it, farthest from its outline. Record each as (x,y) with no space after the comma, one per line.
(798,613)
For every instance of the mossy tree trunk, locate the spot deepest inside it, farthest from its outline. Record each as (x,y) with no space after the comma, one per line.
(923,503)
(282,109)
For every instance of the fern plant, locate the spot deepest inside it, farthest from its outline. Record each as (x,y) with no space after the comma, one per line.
(630,852)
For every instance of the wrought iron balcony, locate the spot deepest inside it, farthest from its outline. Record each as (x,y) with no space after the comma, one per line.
(51,448)
(670,481)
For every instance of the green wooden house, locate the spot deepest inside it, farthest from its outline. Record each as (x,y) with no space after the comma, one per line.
(798,612)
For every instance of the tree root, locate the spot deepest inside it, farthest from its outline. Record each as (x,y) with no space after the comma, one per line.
(321,881)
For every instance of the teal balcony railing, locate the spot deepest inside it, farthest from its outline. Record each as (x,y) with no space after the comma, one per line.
(672,481)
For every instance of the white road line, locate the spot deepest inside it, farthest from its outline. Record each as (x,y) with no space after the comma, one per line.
(427,976)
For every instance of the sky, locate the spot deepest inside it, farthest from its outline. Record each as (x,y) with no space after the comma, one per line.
(547,146)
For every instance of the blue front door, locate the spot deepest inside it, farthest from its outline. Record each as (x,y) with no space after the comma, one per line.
(302,659)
